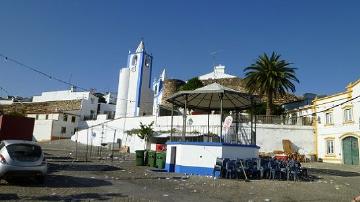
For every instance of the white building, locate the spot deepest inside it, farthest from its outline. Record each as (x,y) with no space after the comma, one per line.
(158,88)
(89,103)
(62,117)
(300,111)
(54,125)
(53,119)
(218,73)
(6,101)
(135,97)
(337,128)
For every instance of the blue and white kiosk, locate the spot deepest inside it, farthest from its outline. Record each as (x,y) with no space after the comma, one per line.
(199,158)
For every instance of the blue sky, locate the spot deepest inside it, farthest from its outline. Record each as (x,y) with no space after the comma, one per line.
(87,41)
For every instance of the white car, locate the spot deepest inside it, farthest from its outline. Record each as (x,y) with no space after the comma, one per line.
(20,158)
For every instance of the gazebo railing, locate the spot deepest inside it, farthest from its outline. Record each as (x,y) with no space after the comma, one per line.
(201,133)
(278,120)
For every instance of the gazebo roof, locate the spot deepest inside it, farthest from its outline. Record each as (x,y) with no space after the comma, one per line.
(209,97)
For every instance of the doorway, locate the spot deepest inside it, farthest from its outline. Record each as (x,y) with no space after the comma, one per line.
(172,159)
(350,150)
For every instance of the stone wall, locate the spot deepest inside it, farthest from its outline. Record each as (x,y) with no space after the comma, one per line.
(171,86)
(239,85)
(42,107)
(233,83)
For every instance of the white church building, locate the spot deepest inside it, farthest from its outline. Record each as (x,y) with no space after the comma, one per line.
(135,96)
(138,100)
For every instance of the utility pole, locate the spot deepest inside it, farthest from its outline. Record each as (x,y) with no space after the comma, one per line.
(87,144)
(113,145)
(102,136)
(76,145)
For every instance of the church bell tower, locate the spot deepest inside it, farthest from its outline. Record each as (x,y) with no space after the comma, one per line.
(135,97)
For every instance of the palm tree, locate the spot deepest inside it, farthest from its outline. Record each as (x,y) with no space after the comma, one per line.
(270,77)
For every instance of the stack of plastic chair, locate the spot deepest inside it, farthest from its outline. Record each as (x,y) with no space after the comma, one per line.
(251,165)
(239,169)
(223,171)
(218,167)
(273,168)
(294,170)
(283,170)
(230,169)
(264,169)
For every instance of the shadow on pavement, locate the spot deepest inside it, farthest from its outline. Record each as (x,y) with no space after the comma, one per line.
(52,167)
(8,197)
(340,173)
(76,197)
(61,181)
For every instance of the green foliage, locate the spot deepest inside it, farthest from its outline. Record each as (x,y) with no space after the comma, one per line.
(169,131)
(145,132)
(261,109)
(192,84)
(270,76)
(19,113)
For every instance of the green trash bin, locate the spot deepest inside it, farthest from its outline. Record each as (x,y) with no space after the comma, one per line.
(139,157)
(160,160)
(151,158)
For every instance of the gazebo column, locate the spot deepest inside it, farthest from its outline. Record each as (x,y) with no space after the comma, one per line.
(253,138)
(208,126)
(237,126)
(184,118)
(172,121)
(221,96)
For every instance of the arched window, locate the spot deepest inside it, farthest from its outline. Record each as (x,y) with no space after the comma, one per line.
(134,60)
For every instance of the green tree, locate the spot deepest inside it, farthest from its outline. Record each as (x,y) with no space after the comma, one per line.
(192,84)
(145,132)
(270,77)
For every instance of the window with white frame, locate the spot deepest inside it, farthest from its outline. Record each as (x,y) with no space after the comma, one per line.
(329,146)
(347,114)
(328,118)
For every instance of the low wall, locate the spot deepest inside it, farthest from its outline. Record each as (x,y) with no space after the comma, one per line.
(200,157)
(269,136)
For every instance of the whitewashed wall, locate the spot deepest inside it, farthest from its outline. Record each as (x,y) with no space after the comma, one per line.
(269,136)
(199,155)
(200,158)
(235,152)
(42,130)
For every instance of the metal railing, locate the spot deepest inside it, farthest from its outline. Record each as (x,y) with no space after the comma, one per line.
(202,133)
(278,120)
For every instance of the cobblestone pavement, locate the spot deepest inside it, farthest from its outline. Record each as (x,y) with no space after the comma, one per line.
(120,180)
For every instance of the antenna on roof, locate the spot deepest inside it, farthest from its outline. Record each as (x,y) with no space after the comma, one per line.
(70,77)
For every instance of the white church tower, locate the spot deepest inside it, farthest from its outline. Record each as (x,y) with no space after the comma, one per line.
(158,88)
(135,97)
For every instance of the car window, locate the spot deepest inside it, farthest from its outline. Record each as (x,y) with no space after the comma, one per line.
(1,145)
(24,152)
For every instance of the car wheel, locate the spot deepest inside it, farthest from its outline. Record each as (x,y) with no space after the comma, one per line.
(11,180)
(40,179)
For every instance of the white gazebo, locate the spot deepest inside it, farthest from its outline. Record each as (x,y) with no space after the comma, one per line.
(200,157)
